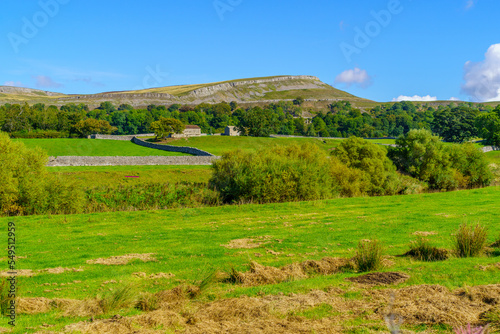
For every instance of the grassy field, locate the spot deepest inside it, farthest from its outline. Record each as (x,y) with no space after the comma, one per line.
(113,176)
(188,243)
(89,147)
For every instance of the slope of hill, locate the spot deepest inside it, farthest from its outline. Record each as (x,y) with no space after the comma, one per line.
(253,90)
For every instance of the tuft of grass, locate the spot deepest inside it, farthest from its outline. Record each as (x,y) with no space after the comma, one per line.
(233,276)
(422,250)
(121,298)
(198,287)
(368,256)
(147,302)
(469,240)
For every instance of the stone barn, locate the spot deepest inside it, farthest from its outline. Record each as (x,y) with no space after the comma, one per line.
(231,131)
(190,131)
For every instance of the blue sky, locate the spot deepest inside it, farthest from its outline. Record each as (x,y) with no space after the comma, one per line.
(381,50)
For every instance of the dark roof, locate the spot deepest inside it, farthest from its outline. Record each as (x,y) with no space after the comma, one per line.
(192,127)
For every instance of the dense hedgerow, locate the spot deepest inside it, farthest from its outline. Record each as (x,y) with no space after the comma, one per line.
(27,187)
(302,173)
(276,174)
(377,173)
(426,158)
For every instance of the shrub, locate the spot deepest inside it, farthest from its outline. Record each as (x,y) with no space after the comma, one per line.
(368,256)
(471,164)
(276,174)
(422,250)
(27,187)
(373,161)
(425,157)
(469,240)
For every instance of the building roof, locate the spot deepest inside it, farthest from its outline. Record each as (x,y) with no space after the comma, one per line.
(192,127)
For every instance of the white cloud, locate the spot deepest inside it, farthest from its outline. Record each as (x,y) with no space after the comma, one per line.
(414,98)
(13,84)
(470,4)
(43,81)
(454,99)
(355,76)
(482,79)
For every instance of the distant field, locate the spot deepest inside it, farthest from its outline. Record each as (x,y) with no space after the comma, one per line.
(188,243)
(113,176)
(219,144)
(93,147)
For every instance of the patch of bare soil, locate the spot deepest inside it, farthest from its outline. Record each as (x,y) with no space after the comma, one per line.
(384,278)
(246,243)
(123,259)
(261,275)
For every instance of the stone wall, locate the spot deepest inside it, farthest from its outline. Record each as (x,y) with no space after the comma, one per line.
(490,149)
(124,138)
(170,148)
(65,161)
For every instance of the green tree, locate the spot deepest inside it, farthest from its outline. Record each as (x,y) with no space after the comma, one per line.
(455,125)
(166,126)
(298,101)
(488,126)
(27,187)
(90,126)
(373,161)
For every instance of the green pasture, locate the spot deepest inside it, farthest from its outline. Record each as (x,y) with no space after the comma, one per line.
(188,243)
(93,147)
(112,176)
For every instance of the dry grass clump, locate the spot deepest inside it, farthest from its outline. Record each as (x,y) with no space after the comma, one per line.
(262,275)
(369,256)
(123,259)
(469,240)
(422,250)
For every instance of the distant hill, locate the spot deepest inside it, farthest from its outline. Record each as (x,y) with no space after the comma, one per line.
(253,90)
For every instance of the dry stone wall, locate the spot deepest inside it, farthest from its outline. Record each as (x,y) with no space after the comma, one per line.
(124,138)
(67,161)
(490,149)
(170,148)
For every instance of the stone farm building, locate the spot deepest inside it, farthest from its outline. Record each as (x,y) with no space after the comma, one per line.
(190,131)
(231,131)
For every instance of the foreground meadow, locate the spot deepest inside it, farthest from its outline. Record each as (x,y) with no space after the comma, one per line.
(65,260)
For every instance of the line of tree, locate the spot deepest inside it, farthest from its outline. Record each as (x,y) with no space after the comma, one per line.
(453,123)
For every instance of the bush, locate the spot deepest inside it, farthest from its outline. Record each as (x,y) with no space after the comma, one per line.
(470,241)
(276,174)
(27,187)
(372,160)
(368,256)
(422,250)
(425,157)
(471,165)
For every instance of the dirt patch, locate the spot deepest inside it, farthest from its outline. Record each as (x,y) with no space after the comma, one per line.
(246,243)
(260,275)
(161,275)
(384,278)
(123,259)
(424,233)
